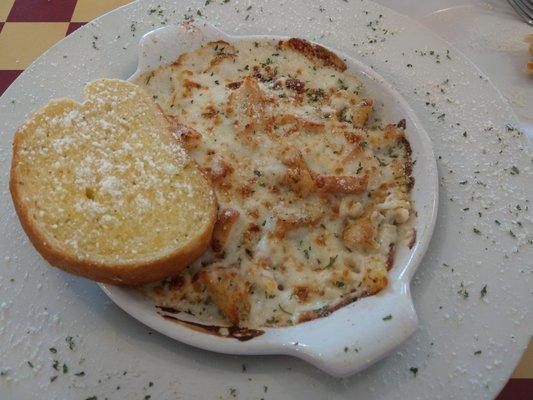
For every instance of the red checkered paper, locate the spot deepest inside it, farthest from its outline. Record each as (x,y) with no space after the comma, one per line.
(29,27)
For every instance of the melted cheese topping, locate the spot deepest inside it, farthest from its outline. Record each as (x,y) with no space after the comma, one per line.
(310,200)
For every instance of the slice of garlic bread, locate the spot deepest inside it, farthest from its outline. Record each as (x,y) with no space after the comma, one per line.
(105,191)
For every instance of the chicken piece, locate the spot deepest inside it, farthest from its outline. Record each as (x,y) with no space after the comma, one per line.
(375,279)
(225,220)
(360,234)
(386,138)
(222,51)
(342,184)
(250,100)
(361,113)
(300,181)
(288,219)
(218,169)
(350,208)
(298,124)
(187,136)
(229,292)
(351,108)
(298,176)
(315,53)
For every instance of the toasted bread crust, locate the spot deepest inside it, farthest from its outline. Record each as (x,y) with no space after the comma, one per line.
(134,273)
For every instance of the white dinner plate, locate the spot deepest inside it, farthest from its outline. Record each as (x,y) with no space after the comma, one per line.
(472,291)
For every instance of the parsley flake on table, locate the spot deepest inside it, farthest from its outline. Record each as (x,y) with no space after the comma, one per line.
(462,291)
(70,342)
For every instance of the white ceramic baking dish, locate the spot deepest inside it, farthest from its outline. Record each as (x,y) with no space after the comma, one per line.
(360,333)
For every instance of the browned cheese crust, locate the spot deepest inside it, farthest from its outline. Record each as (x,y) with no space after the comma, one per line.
(314,193)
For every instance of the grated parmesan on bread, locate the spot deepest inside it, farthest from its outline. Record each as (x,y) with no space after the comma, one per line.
(104,190)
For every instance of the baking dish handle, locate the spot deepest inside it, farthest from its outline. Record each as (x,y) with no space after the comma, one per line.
(343,352)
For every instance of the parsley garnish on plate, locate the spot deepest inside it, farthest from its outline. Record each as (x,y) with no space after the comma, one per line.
(70,342)
(462,291)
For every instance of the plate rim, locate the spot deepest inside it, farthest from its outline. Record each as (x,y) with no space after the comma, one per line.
(498,376)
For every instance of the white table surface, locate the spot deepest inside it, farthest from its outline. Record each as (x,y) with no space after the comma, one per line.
(490,34)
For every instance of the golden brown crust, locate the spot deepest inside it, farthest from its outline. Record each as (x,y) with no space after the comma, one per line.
(342,184)
(136,273)
(229,292)
(187,136)
(316,53)
(360,233)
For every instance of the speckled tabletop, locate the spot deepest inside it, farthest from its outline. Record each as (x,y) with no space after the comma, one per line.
(30,27)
